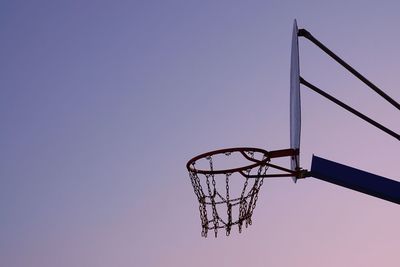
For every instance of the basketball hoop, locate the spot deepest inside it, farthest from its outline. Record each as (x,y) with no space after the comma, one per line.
(228,194)
(233,190)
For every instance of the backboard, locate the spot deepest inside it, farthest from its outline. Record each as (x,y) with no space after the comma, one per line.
(295,108)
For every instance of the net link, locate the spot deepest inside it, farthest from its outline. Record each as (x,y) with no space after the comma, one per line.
(212,200)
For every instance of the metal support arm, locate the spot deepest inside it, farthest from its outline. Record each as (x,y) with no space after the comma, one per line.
(350,109)
(308,35)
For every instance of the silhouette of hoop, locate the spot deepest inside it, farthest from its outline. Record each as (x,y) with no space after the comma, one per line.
(212,186)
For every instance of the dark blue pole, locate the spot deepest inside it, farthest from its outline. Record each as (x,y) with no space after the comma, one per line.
(358,180)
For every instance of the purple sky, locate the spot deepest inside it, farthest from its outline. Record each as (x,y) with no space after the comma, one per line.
(103,102)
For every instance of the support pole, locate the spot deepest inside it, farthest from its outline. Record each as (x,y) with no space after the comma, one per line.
(358,180)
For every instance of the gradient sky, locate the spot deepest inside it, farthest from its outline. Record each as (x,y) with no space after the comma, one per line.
(103,102)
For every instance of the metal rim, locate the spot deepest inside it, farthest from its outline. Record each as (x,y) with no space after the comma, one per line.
(242,150)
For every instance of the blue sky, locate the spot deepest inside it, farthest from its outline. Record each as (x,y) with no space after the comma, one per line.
(103,102)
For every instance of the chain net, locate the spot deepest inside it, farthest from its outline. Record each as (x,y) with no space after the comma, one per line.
(218,207)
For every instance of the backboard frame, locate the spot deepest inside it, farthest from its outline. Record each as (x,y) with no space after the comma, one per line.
(295,103)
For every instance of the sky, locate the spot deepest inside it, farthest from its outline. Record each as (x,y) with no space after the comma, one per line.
(102,103)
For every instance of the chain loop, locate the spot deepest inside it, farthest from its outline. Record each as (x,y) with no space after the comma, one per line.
(213,198)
